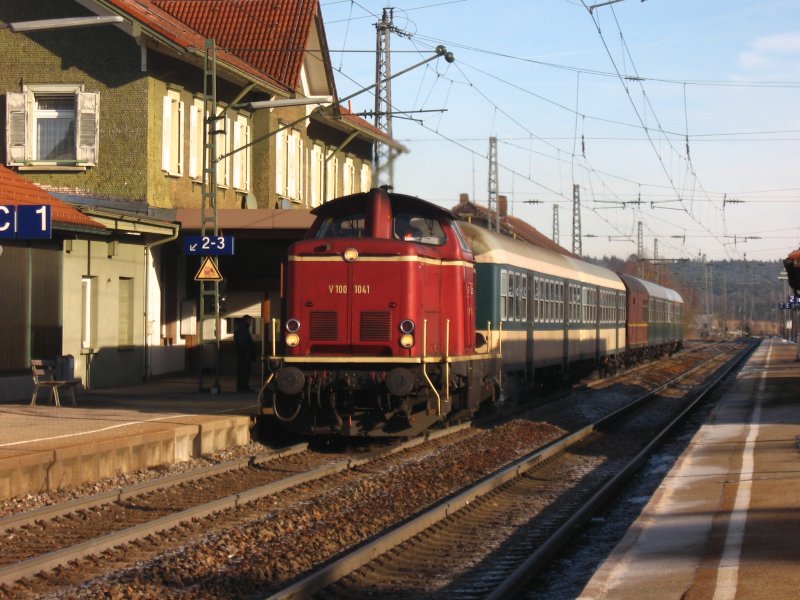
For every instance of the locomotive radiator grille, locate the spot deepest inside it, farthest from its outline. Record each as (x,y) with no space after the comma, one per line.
(376,326)
(324,326)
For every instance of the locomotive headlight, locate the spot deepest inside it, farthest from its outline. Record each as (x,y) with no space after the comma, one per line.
(350,254)
(407,326)
(292,325)
(407,340)
(292,339)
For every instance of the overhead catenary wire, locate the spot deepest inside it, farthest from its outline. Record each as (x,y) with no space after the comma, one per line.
(686,184)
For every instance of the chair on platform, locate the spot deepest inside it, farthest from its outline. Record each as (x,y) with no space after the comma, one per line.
(43,377)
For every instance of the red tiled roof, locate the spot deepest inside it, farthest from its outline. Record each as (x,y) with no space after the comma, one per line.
(511,225)
(363,124)
(16,190)
(172,29)
(264,38)
(271,35)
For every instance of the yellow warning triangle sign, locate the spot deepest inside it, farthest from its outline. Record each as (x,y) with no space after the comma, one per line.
(208,271)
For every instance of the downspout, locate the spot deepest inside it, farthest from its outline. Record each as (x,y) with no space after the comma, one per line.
(175,231)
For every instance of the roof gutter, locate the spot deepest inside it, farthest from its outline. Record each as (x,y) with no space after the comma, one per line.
(131,224)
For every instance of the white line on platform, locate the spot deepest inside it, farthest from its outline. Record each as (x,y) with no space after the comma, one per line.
(728,572)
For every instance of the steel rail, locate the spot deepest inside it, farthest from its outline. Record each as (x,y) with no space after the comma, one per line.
(47,513)
(527,570)
(13,573)
(369,551)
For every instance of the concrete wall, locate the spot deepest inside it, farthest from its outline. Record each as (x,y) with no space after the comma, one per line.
(110,360)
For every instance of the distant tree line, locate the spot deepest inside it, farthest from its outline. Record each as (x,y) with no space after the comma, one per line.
(720,296)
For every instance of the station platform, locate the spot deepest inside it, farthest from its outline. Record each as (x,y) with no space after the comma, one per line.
(725,522)
(118,430)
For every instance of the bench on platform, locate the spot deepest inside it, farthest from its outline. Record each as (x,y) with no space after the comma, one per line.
(43,377)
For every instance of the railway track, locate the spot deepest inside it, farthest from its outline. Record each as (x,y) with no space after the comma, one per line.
(492,538)
(250,527)
(113,531)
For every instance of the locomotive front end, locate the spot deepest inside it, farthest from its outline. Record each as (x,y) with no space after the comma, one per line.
(371,320)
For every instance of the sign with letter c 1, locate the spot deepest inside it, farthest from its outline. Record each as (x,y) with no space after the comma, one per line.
(26,222)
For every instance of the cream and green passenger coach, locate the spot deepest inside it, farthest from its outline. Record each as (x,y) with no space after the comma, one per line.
(543,310)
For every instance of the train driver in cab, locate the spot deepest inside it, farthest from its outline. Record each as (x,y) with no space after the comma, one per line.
(405,230)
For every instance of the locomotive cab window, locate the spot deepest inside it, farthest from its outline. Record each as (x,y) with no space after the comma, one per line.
(352,225)
(416,228)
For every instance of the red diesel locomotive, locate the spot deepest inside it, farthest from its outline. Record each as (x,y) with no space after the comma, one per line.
(378,336)
(396,318)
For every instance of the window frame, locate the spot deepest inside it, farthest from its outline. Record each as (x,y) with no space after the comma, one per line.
(21,126)
(125,311)
(197,134)
(173,144)
(241,158)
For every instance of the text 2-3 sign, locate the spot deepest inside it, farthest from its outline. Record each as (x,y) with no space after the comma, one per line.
(26,222)
(206,245)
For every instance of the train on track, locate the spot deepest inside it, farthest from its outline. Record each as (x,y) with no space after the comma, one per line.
(396,317)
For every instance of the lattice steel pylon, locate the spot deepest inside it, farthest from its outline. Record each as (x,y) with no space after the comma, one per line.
(383,154)
(577,246)
(556,235)
(209,290)
(494,212)
(640,248)
(640,241)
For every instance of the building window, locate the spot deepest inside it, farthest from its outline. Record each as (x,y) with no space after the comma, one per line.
(289,164)
(196,138)
(223,140)
(172,144)
(348,177)
(125,313)
(331,179)
(241,156)
(52,125)
(366,177)
(317,174)
(88,312)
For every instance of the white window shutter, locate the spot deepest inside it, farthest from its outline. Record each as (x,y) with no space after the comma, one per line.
(366,177)
(16,128)
(291,187)
(237,156)
(166,134)
(88,120)
(280,165)
(181,138)
(223,148)
(301,168)
(247,157)
(194,115)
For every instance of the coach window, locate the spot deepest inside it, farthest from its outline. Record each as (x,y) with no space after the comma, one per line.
(518,296)
(523,302)
(574,303)
(510,298)
(503,294)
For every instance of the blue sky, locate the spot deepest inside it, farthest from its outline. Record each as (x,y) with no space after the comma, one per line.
(606,99)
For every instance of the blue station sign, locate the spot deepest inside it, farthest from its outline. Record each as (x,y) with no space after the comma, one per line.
(208,245)
(26,222)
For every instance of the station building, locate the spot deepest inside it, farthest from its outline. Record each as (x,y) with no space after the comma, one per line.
(113,121)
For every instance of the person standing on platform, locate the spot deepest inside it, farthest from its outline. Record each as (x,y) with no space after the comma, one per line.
(245,353)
